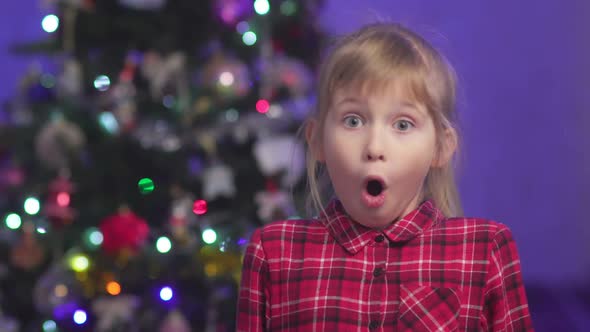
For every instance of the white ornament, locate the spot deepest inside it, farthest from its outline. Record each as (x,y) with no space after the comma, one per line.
(283,153)
(160,71)
(57,142)
(112,309)
(69,83)
(175,322)
(218,180)
(269,202)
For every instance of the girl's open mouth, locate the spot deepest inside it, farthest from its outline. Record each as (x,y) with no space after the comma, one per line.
(374,192)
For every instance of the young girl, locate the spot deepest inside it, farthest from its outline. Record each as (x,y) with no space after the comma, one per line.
(387,252)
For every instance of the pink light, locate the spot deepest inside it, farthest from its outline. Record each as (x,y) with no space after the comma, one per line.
(63,199)
(262,106)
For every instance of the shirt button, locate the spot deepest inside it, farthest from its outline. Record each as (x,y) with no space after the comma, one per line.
(378,271)
(379,238)
(373,325)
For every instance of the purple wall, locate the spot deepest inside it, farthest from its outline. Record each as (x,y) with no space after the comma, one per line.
(21,21)
(524,71)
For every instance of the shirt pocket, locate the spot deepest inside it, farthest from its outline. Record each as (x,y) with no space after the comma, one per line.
(427,308)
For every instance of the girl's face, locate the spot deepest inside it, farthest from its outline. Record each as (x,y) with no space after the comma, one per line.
(378,149)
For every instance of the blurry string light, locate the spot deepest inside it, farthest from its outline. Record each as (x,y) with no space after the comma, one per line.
(262,7)
(249,38)
(50,23)
(13,221)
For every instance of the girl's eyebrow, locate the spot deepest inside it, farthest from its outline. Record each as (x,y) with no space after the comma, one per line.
(412,107)
(347,100)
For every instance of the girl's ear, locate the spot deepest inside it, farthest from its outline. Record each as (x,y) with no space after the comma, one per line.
(447,148)
(312,136)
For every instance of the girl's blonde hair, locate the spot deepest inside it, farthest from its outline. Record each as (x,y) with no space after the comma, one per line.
(370,59)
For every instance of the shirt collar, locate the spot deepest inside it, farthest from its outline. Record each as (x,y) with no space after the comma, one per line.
(354,236)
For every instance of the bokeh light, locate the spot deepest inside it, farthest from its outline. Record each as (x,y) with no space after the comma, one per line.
(80,317)
(242,27)
(108,121)
(93,238)
(166,293)
(275,111)
(163,245)
(249,38)
(226,78)
(262,106)
(209,236)
(146,186)
(113,288)
(232,115)
(261,7)
(13,221)
(50,23)
(41,229)
(102,83)
(79,263)
(49,326)
(200,207)
(32,205)
(60,290)
(63,199)
(288,8)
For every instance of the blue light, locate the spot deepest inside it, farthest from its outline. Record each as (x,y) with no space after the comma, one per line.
(80,317)
(108,122)
(166,293)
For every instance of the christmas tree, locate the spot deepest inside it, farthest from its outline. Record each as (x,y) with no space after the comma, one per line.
(137,158)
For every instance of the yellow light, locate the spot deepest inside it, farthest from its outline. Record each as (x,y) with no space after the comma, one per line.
(113,288)
(79,263)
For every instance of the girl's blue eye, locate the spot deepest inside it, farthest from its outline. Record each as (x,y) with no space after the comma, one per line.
(403,125)
(352,121)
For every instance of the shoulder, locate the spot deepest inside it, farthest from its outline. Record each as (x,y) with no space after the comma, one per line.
(462,225)
(289,230)
(480,230)
(289,238)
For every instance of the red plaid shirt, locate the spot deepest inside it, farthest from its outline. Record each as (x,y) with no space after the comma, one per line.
(422,273)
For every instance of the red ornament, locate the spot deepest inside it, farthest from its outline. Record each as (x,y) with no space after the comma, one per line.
(123,231)
(200,207)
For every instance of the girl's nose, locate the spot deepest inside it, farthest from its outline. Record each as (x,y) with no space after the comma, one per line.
(371,156)
(375,149)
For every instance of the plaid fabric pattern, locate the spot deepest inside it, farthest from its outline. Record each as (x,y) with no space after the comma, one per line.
(423,273)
